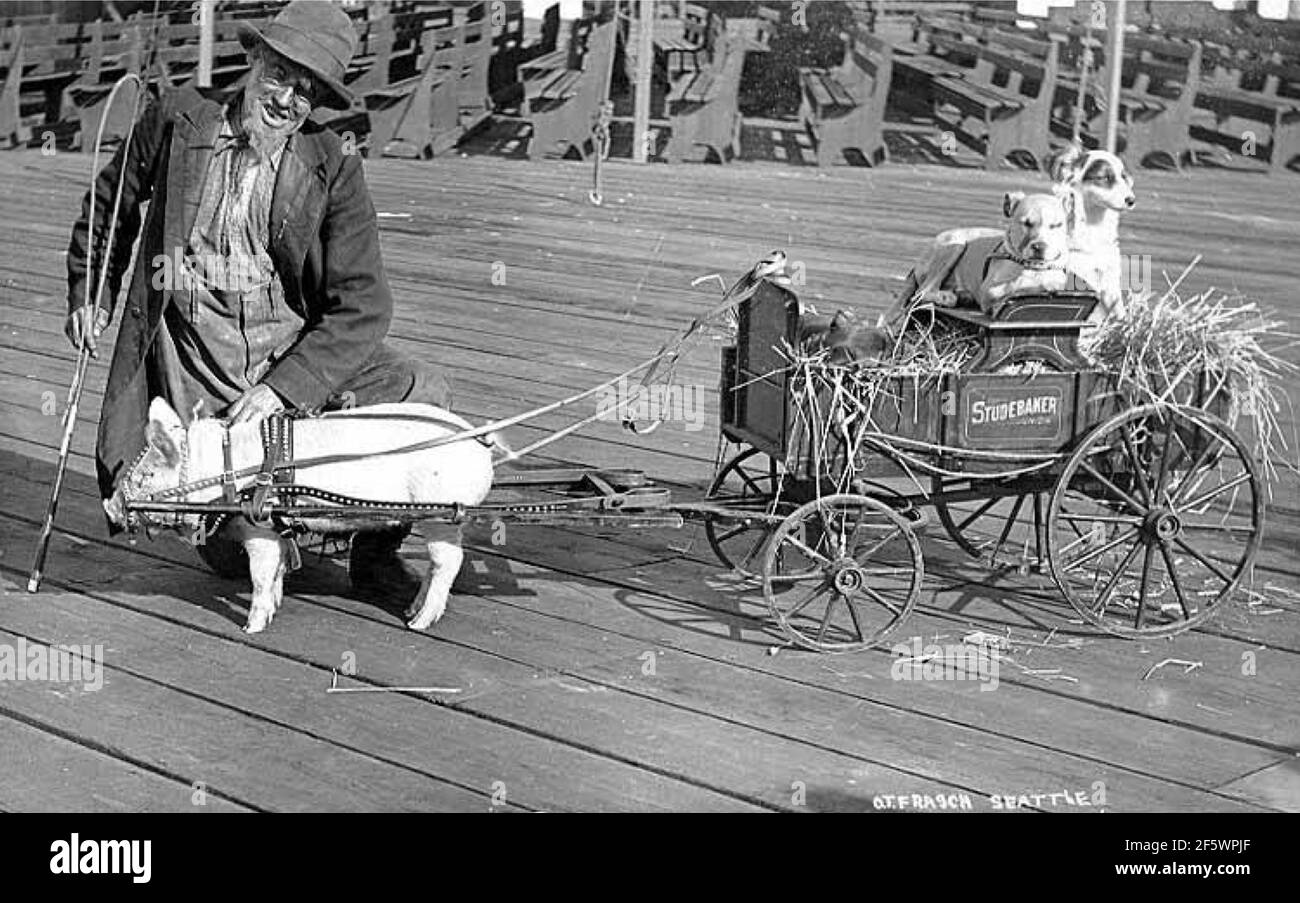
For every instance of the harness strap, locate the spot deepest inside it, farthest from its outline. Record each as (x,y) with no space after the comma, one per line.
(278,432)
(276,447)
(228,476)
(480,432)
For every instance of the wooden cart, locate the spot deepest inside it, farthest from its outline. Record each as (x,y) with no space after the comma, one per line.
(1146,515)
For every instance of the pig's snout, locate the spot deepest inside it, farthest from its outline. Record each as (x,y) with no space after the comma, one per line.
(115,508)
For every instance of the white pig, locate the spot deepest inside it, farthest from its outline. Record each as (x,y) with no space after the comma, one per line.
(457,472)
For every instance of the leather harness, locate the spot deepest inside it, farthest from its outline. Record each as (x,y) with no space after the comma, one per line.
(277,469)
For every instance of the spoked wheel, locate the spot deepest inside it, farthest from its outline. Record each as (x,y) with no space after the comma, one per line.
(747,485)
(1002,524)
(841,573)
(1154,521)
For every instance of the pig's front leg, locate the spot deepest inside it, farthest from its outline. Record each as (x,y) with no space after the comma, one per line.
(266,565)
(445,559)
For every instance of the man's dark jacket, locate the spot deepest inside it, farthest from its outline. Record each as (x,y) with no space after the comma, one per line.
(324,243)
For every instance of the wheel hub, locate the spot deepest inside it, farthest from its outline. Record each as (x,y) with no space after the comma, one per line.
(847,577)
(1162,524)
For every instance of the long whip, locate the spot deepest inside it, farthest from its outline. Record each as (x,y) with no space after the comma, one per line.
(83,354)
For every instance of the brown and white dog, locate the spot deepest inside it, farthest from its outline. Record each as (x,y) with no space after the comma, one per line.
(987,265)
(1102,189)
(1097,188)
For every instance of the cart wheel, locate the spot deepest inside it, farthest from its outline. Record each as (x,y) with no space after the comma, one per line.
(842,572)
(746,485)
(1002,525)
(226,557)
(1155,518)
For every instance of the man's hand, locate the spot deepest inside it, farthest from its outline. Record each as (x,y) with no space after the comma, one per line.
(79,328)
(254,406)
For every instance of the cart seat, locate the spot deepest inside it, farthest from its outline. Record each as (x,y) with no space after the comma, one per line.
(1038,326)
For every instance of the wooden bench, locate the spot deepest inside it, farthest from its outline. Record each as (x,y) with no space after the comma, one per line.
(689,44)
(1159,81)
(33,83)
(393,45)
(473,93)
(1007,96)
(425,80)
(383,75)
(844,108)
(546,65)
(13,131)
(1257,91)
(29,20)
(766,23)
(704,106)
(509,50)
(116,49)
(997,18)
(939,47)
(563,104)
(1244,47)
(421,116)
(177,57)
(872,13)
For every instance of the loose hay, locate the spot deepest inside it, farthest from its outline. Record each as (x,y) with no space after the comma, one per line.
(1163,344)
(1164,349)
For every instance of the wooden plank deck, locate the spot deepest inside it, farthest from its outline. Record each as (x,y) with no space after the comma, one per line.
(597,669)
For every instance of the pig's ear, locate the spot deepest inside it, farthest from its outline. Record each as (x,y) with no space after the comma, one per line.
(163,424)
(161,439)
(161,412)
(1010,201)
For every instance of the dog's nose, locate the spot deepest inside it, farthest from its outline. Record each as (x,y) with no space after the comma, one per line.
(1130,202)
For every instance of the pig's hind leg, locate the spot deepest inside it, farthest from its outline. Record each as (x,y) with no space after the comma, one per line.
(445,559)
(266,565)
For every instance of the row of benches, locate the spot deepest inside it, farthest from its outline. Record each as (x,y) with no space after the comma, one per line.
(564,90)
(424,82)
(1168,78)
(703,97)
(1021,84)
(698,60)
(424,74)
(1002,91)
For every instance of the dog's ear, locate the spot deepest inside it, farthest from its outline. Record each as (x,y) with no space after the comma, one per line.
(1010,201)
(1061,166)
(1068,201)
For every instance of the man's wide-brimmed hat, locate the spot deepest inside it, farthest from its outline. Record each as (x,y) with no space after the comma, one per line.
(317,36)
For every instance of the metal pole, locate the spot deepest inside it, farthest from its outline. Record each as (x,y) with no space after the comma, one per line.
(1115,61)
(645,64)
(206,9)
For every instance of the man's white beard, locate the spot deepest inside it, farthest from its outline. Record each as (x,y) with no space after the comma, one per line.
(262,138)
